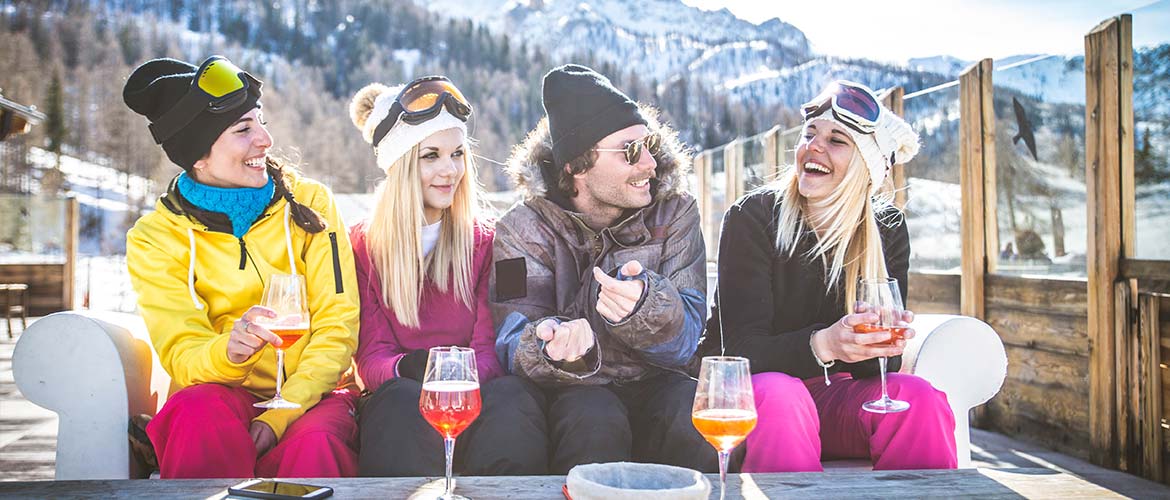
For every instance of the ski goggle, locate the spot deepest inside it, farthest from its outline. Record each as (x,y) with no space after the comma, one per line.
(651,143)
(218,87)
(422,100)
(850,103)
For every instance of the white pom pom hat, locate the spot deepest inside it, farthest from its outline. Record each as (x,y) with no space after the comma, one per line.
(892,140)
(403,136)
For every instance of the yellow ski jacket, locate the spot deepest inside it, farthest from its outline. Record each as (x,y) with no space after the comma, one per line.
(193,283)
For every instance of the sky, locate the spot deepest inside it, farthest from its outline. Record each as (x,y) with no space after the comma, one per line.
(967,29)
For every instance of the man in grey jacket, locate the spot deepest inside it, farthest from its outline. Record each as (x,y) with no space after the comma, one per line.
(599,278)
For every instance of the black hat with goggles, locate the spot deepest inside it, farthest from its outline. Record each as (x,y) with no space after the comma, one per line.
(189,107)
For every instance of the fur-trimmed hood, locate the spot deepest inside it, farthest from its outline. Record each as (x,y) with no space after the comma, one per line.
(531,169)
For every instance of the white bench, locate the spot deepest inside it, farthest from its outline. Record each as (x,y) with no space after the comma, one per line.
(97,369)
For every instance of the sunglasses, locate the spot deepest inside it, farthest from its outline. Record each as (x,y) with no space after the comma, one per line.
(633,150)
(851,104)
(219,86)
(422,100)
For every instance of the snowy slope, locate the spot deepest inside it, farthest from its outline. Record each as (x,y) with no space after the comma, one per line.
(771,63)
(664,38)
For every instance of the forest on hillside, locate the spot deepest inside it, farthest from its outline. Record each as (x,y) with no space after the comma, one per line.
(70,59)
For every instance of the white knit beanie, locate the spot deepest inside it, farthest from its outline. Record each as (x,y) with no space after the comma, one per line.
(402,136)
(893,140)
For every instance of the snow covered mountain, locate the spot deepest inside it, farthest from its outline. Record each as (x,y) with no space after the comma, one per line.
(770,63)
(665,37)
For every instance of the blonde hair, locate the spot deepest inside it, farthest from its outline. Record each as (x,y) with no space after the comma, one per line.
(394,238)
(848,242)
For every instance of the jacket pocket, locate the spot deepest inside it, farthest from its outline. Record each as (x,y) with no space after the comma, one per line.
(650,256)
(338,283)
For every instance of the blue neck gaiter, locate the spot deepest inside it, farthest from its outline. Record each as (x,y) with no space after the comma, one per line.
(242,205)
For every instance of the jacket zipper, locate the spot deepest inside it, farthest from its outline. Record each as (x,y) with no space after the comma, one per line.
(338,284)
(243,255)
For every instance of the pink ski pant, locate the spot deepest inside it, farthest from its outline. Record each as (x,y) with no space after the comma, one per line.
(802,422)
(202,432)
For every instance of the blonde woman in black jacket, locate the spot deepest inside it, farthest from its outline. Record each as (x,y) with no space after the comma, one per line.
(790,255)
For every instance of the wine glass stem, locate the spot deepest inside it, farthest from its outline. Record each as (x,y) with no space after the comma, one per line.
(279,371)
(723,456)
(882,365)
(449,450)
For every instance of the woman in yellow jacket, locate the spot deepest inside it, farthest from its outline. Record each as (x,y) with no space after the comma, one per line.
(234,217)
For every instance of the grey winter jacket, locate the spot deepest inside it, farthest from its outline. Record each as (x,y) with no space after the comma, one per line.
(543,260)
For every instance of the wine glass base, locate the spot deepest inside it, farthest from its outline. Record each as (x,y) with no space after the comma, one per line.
(886,406)
(278,404)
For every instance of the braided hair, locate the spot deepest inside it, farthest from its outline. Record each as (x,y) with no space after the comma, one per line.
(303,215)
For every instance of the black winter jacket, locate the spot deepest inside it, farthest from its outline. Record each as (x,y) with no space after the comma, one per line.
(771,303)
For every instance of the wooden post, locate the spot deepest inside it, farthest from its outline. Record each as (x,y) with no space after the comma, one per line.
(1125,364)
(990,191)
(702,197)
(784,147)
(1126,136)
(893,101)
(977,148)
(773,154)
(733,169)
(702,165)
(1108,160)
(72,228)
(1150,378)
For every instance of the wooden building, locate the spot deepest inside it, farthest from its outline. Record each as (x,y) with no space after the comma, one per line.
(50,284)
(16,118)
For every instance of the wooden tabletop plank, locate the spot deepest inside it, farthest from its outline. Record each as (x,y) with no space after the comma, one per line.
(966,483)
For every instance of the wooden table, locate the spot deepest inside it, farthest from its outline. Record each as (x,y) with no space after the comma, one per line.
(965,483)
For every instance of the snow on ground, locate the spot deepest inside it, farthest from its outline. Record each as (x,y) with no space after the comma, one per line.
(1153,222)
(933,211)
(106,282)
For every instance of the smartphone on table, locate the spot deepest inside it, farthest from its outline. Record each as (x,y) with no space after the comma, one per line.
(278,490)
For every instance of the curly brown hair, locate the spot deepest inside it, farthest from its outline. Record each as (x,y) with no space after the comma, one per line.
(578,165)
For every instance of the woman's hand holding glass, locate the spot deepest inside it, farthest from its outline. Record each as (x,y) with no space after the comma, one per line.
(841,342)
(881,300)
(286,297)
(247,336)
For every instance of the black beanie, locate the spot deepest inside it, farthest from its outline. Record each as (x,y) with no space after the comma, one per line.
(583,107)
(157,85)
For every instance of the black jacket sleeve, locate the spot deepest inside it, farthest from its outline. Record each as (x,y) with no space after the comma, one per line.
(745,305)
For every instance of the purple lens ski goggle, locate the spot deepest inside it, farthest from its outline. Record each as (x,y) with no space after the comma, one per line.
(850,104)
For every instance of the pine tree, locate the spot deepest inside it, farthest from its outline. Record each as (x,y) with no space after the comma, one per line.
(56,132)
(130,41)
(55,115)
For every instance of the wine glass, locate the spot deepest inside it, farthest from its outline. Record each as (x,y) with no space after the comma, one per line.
(450,398)
(725,407)
(881,296)
(284,294)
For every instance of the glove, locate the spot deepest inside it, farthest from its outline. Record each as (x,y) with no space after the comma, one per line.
(413,365)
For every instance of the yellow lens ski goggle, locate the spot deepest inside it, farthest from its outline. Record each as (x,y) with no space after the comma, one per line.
(218,87)
(422,100)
